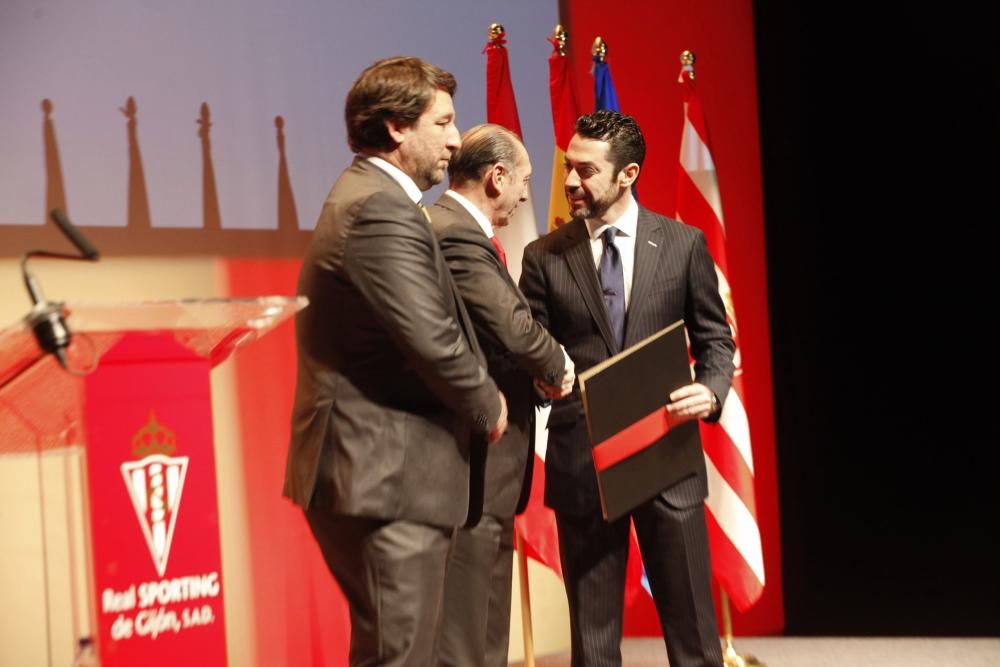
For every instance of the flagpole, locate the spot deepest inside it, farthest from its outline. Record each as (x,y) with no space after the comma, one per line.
(496,34)
(600,49)
(730,658)
(496,31)
(526,631)
(559,38)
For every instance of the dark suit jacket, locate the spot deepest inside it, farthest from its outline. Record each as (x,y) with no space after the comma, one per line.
(517,348)
(390,378)
(673,278)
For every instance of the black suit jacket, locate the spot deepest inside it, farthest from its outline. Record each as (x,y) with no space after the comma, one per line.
(516,347)
(673,278)
(390,378)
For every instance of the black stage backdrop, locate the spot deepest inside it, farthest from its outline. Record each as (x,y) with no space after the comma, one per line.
(880,143)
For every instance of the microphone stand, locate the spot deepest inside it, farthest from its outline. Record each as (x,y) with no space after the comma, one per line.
(48,319)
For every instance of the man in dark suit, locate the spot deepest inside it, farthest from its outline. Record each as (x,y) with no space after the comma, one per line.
(489,177)
(391,380)
(614,275)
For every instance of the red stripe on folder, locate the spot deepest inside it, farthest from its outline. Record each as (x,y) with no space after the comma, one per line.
(631,440)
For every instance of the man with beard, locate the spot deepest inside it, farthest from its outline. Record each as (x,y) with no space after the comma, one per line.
(613,276)
(391,380)
(489,177)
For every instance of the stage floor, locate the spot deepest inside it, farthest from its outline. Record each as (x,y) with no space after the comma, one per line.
(826,652)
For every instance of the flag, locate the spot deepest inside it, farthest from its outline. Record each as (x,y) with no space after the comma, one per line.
(501,108)
(737,557)
(536,525)
(605,97)
(564,115)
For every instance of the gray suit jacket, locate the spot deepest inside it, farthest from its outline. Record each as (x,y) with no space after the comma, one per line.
(517,349)
(673,278)
(390,379)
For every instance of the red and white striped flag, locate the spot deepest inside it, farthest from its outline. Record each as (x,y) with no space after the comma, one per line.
(536,525)
(737,558)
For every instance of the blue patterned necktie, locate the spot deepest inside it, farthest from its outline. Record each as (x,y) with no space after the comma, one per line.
(613,284)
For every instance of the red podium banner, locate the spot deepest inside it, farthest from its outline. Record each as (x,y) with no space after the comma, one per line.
(155,524)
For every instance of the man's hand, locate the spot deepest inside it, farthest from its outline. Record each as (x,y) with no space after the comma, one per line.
(501,426)
(693,401)
(565,387)
(569,375)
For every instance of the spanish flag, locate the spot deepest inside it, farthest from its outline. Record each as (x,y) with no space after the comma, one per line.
(564,115)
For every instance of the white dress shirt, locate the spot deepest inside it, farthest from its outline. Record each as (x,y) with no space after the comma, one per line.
(398,175)
(482,220)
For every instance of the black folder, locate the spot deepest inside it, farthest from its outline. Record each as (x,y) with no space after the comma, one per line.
(621,392)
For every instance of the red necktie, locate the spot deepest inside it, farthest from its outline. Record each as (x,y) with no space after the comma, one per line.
(496,244)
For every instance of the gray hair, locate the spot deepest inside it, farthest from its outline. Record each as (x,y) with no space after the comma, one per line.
(482,147)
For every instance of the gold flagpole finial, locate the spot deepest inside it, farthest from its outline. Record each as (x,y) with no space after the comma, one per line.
(687,64)
(559,39)
(496,31)
(600,50)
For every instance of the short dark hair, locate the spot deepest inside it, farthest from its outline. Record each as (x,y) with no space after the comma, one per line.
(482,147)
(619,130)
(400,89)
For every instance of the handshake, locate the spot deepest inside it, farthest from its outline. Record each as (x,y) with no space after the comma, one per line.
(544,389)
(564,388)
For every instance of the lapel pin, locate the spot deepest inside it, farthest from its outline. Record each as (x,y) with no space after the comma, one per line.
(652,244)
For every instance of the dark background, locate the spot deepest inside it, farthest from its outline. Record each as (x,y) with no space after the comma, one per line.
(879,131)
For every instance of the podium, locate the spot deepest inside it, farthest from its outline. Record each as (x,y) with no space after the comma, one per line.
(121,449)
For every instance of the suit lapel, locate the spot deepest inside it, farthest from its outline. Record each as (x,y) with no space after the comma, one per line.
(468,223)
(473,229)
(648,246)
(580,258)
(462,314)
(463,318)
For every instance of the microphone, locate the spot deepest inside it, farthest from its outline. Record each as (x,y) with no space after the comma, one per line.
(85,247)
(46,319)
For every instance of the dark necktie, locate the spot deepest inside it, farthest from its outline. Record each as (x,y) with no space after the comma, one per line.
(613,284)
(496,244)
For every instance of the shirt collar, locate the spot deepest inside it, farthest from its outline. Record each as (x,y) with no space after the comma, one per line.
(398,175)
(626,224)
(482,220)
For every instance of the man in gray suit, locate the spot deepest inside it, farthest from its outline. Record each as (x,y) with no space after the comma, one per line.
(391,381)
(489,177)
(614,275)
